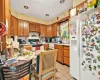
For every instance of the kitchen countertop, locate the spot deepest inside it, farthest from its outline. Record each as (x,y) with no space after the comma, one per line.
(48,43)
(57,44)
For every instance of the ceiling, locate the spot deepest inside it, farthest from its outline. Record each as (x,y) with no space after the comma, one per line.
(39,8)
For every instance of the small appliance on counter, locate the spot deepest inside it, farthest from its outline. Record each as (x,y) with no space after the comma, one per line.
(57,39)
(21,41)
(48,40)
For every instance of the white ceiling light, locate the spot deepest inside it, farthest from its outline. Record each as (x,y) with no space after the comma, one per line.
(73,12)
(47,14)
(62,1)
(26,7)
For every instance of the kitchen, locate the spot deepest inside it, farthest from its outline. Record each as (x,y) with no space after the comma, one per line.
(42,28)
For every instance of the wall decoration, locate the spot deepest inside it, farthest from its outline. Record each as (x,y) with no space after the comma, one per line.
(64,32)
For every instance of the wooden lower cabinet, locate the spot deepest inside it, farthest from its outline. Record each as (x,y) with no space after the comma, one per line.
(63,54)
(66,55)
(46,46)
(60,56)
(66,61)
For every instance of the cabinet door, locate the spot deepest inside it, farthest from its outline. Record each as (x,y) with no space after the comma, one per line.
(60,56)
(23,28)
(49,31)
(14,26)
(42,30)
(46,46)
(32,27)
(38,27)
(66,53)
(66,61)
(26,28)
(20,27)
(54,29)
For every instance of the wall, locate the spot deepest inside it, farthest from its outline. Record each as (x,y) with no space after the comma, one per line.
(77,2)
(60,17)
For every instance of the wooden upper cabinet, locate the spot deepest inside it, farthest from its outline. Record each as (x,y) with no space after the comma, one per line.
(42,30)
(23,28)
(34,27)
(54,29)
(14,26)
(26,28)
(49,31)
(38,27)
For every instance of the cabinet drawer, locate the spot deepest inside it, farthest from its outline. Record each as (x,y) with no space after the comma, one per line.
(60,46)
(66,53)
(66,47)
(66,61)
(56,46)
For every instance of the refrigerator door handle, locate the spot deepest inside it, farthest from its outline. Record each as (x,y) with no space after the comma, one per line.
(80,39)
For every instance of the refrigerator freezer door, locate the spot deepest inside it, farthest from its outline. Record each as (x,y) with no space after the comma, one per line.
(74,48)
(74,59)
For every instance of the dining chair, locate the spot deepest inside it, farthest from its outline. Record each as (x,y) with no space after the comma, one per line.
(45,65)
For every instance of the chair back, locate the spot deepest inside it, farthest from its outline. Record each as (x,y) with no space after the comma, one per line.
(47,61)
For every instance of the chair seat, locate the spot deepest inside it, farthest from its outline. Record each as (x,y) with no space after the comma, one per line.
(47,74)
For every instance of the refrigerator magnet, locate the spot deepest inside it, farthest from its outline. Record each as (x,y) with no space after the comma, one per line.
(90,68)
(93,40)
(98,57)
(98,66)
(98,22)
(92,56)
(99,27)
(94,67)
(89,61)
(83,62)
(95,61)
(91,50)
(99,73)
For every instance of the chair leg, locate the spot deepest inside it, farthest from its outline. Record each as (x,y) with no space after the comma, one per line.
(54,76)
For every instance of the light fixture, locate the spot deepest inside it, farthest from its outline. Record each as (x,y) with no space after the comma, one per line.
(26,7)
(47,14)
(73,12)
(62,1)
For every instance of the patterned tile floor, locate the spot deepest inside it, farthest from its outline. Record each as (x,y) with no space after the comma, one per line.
(62,72)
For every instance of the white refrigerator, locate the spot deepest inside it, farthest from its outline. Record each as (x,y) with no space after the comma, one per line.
(85,45)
